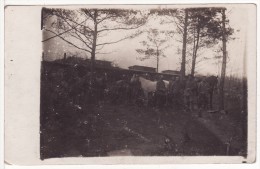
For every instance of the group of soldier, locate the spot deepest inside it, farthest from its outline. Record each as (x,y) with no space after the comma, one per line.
(189,93)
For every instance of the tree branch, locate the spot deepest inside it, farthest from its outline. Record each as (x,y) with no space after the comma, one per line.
(104,53)
(79,38)
(67,41)
(105,18)
(108,43)
(56,35)
(87,38)
(119,28)
(128,37)
(66,18)
(180,27)
(87,13)
(61,33)
(100,48)
(80,23)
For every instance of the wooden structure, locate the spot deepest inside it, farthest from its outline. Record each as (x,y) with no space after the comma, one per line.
(142,68)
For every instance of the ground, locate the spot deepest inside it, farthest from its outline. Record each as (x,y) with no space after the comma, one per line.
(73,126)
(108,130)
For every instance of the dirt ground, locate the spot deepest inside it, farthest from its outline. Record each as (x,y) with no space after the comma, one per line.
(70,128)
(111,130)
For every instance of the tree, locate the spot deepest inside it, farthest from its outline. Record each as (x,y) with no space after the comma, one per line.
(211,25)
(86,29)
(203,21)
(179,17)
(224,62)
(154,46)
(184,41)
(198,28)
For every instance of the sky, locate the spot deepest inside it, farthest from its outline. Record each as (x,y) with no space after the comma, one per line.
(124,53)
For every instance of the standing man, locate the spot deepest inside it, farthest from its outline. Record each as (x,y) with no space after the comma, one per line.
(170,91)
(177,90)
(203,90)
(194,92)
(188,93)
(160,92)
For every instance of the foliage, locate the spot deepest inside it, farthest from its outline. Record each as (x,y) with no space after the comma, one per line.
(86,29)
(155,45)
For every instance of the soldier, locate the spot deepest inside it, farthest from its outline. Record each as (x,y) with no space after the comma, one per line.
(188,93)
(203,90)
(177,89)
(100,87)
(194,92)
(135,87)
(160,92)
(191,92)
(170,91)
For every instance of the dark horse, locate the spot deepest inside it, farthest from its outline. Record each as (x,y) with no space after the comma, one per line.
(212,82)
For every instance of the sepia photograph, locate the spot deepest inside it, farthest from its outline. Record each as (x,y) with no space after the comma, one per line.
(123,84)
(156,80)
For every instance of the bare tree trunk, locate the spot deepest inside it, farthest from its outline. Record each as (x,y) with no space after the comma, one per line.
(183,62)
(93,51)
(224,63)
(194,57)
(157,60)
(194,41)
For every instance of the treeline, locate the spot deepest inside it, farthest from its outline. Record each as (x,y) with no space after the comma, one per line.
(198,29)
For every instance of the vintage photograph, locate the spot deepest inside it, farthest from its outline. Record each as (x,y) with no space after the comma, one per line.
(144,80)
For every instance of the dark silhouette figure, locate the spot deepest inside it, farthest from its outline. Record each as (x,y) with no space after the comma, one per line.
(212,83)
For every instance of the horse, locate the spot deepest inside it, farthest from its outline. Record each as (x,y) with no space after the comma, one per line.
(118,91)
(147,86)
(212,81)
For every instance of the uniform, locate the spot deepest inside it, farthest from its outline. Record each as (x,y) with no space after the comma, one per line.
(170,92)
(203,89)
(194,92)
(160,93)
(187,94)
(177,89)
(190,93)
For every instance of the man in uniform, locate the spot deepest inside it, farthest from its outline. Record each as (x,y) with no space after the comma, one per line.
(170,91)
(177,89)
(194,92)
(190,93)
(187,93)
(160,93)
(203,90)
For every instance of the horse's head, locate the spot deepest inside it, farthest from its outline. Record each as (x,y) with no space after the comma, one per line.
(212,82)
(135,78)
